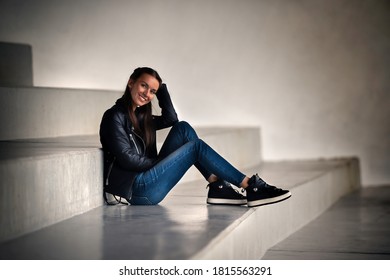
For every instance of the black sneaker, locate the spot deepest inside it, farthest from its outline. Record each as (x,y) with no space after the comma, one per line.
(260,193)
(221,192)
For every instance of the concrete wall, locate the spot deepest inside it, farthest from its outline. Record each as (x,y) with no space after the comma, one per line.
(312,73)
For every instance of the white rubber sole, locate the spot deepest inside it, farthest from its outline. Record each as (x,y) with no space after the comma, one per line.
(222,201)
(269,200)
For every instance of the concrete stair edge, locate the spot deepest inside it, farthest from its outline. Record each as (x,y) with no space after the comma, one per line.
(285,218)
(72,169)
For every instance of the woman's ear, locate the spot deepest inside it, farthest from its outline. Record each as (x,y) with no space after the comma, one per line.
(130,83)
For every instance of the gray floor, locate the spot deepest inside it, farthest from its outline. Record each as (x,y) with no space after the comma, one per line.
(357,227)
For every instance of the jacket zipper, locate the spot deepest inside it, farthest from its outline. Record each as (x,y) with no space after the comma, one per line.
(142,140)
(135,144)
(109,170)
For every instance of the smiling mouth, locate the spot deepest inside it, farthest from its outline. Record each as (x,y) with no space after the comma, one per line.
(142,97)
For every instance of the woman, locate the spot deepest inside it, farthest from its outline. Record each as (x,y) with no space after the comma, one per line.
(135,171)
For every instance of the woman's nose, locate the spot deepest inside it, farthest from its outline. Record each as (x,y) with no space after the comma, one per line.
(146,92)
(149,93)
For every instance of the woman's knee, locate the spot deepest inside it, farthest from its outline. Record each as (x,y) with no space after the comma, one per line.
(182,125)
(186,129)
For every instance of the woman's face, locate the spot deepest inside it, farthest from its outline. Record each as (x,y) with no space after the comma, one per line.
(143,90)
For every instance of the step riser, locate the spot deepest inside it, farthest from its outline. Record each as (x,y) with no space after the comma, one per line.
(16,68)
(30,199)
(266,226)
(51,112)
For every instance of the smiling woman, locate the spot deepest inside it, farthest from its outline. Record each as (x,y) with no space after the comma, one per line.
(143,89)
(134,170)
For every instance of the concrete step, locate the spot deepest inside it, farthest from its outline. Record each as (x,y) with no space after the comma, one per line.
(183,226)
(357,227)
(16,67)
(36,112)
(47,180)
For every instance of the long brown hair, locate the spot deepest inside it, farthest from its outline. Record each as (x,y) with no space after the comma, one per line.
(143,124)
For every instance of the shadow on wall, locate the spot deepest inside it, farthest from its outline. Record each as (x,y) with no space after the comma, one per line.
(16,65)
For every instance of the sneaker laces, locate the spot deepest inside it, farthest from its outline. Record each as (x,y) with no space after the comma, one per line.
(227,185)
(257,182)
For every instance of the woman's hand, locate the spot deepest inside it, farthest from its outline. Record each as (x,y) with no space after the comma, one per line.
(162,90)
(168,114)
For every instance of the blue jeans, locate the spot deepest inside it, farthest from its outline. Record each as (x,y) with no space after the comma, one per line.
(182,149)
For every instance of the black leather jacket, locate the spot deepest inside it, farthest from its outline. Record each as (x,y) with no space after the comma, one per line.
(125,153)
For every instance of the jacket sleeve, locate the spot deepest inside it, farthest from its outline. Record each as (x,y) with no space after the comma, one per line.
(115,139)
(168,114)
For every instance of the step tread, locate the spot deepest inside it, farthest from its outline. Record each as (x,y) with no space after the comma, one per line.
(179,228)
(38,147)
